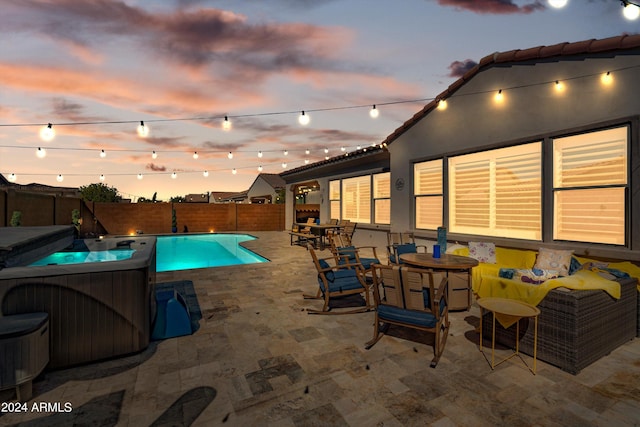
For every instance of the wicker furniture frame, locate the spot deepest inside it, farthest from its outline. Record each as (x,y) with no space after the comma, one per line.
(576,328)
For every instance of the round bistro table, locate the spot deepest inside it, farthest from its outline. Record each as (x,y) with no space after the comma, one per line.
(447,263)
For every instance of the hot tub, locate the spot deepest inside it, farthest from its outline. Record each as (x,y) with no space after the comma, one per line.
(96,310)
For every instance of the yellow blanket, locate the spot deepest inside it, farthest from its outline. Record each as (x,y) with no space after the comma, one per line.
(493,286)
(629,268)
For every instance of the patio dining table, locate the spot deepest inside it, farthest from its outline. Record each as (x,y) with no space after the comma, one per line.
(320,230)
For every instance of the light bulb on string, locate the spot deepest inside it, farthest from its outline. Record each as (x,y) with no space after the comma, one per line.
(12,177)
(59,178)
(205,174)
(326,151)
(358,147)
(630,11)
(230,155)
(143,131)
(499,97)
(374,113)
(284,165)
(559,86)
(303,119)
(226,124)
(195,155)
(260,154)
(47,133)
(103,154)
(101,177)
(234,171)
(606,78)
(286,152)
(140,176)
(557,3)
(154,155)
(306,151)
(442,105)
(326,157)
(41,153)
(260,168)
(306,161)
(174,175)
(343,149)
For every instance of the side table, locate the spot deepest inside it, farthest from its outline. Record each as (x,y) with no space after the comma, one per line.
(508,312)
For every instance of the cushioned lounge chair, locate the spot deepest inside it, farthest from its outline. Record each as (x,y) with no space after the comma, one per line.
(337,283)
(401,243)
(345,252)
(408,297)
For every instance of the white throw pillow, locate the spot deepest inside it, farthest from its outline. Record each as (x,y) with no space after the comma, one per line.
(554,259)
(483,252)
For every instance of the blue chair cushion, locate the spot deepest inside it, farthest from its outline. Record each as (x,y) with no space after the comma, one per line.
(411,317)
(344,280)
(366,262)
(407,248)
(347,251)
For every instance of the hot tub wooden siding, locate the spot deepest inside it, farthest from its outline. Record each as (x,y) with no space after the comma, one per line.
(92,315)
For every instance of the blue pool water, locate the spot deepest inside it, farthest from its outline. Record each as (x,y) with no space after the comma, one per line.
(81,257)
(180,252)
(184,252)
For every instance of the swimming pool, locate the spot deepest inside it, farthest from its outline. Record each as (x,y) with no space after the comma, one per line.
(180,252)
(184,252)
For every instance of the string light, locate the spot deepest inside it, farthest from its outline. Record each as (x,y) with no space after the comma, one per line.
(306,151)
(143,131)
(606,78)
(374,113)
(154,155)
(103,154)
(101,177)
(59,178)
(631,11)
(205,174)
(174,175)
(559,86)
(47,133)
(442,104)
(41,153)
(326,151)
(303,119)
(284,165)
(226,124)
(12,177)
(260,168)
(230,155)
(558,3)
(234,171)
(195,154)
(260,154)
(343,149)
(140,176)
(306,161)
(499,97)
(286,152)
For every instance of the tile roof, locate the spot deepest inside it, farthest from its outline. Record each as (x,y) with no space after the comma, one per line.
(363,152)
(585,47)
(273,179)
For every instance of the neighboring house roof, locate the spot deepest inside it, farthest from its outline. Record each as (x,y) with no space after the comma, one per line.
(273,179)
(35,187)
(242,195)
(535,54)
(219,196)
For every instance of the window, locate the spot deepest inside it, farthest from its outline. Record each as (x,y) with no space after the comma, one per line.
(382,198)
(497,192)
(427,190)
(590,178)
(334,199)
(356,199)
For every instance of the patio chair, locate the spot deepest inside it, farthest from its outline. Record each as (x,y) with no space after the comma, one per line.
(407,297)
(401,243)
(345,252)
(302,235)
(338,284)
(348,230)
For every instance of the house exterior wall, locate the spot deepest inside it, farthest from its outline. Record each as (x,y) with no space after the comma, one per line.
(261,188)
(532,111)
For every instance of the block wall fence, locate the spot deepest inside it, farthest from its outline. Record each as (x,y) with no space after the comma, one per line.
(129,218)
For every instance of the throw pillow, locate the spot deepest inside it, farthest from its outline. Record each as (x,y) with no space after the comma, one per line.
(554,259)
(535,276)
(483,252)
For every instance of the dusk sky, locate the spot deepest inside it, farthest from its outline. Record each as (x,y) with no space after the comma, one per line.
(95,68)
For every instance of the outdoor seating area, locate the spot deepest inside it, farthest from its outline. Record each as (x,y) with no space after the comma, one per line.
(259,358)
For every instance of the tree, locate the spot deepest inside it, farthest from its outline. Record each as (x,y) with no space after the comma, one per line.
(100,193)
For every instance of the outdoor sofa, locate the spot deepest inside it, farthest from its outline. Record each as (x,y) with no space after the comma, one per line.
(584,315)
